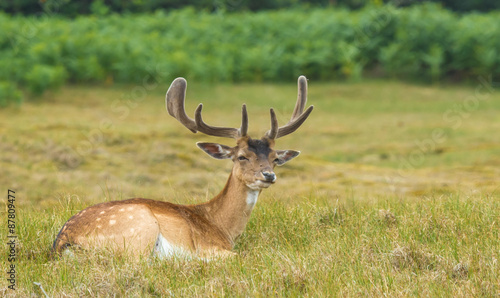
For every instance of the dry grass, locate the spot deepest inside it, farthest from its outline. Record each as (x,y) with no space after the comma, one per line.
(376,209)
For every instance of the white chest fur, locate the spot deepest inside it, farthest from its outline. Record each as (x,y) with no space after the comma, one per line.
(252,196)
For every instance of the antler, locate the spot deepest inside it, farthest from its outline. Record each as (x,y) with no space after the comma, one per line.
(174,100)
(298,116)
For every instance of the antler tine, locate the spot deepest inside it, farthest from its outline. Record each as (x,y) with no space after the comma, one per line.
(298,115)
(226,132)
(273,132)
(244,121)
(294,124)
(174,101)
(301,97)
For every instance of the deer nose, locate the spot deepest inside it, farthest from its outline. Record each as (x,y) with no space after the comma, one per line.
(269,176)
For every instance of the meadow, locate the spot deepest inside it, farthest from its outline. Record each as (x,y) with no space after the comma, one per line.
(395,192)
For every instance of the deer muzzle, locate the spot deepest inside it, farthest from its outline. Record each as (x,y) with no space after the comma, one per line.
(269,176)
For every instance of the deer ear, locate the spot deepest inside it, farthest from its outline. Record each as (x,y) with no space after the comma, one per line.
(215,150)
(285,155)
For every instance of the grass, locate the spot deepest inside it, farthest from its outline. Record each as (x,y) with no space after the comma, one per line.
(394,194)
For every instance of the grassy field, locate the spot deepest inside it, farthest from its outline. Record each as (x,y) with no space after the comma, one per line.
(395,192)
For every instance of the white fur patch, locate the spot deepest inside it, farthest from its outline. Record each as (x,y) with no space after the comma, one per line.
(252,196)
(258,185)
(164,249)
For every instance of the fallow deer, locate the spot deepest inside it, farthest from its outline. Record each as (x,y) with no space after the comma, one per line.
(145,227)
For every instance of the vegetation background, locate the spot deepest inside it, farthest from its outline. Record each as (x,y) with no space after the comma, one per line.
(423,42)
(395,193)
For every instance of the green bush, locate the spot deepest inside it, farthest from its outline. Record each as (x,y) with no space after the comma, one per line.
(42,77)
(425,42)
(103,7)
(9,94)
(422,35)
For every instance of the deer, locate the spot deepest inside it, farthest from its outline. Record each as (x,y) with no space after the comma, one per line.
(144,227)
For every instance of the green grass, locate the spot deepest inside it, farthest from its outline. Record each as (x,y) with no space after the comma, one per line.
(363,211)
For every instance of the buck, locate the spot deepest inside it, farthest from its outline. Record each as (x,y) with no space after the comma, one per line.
(144,227)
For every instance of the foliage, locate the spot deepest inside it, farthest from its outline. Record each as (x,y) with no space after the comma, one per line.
(42,77)
(100,7)
(9,94)
(424,42)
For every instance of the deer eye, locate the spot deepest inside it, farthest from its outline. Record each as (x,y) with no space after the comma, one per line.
(241,157)
(277,160)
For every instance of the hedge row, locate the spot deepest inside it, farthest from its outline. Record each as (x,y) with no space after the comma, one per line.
(102,7)
(423,42)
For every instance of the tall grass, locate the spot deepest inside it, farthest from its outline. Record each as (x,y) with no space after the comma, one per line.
(436,246)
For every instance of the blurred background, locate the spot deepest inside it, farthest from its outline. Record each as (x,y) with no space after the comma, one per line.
(46,44)
(404,86)
(407,87)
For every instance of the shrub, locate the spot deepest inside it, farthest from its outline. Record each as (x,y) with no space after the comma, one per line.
(9,94)
(425,42)
(43,77)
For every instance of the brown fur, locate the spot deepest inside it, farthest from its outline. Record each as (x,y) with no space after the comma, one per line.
(183,226)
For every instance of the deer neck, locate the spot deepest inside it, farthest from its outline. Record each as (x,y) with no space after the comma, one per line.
(231,208)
